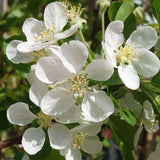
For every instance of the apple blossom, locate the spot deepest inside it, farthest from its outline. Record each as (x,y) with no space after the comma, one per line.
(84,138)
(33,138)
(41,34)
(73,83)
(134,57)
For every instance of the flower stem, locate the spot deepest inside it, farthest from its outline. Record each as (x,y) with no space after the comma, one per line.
(91,54)
(102,19)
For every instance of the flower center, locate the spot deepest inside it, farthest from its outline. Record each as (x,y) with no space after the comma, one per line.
(36,55)
(79,138)
(125,55)
(45,121)
(72,11)
(79,86)
(46,34)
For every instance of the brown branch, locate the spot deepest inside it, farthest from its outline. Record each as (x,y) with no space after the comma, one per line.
(9,142)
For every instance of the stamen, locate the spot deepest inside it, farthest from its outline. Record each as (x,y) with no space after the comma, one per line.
(79,86)
(45,121)
(79,138)
(125,55)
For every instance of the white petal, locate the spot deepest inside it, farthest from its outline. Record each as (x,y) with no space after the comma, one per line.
(148,111)
(14,55)
(132,104)
(54,15)
(26,47)
(129,76)
(67,33)
(154,155)
(110,55)
(92,146)
(71,116)
(57,101)
(147,63)
(31,75)
(99,70)
(91,130)
(19,113)
(50,70)
(136,137)
(113,35)
(37,91)
(71,153)
(25,157)
(97,106)
(33,140)
(74,55)
(32,28)
(144,37)
(59,136)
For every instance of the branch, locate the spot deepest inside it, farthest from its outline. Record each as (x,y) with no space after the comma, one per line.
(9,142)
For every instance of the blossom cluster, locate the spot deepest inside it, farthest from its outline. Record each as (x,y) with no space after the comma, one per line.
(60,79)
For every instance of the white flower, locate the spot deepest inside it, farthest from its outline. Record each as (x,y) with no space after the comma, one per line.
(33,138)
(41,34)
(96,106)
(74,13)
(145,113)
(84,138)
(134,57)
(17,57)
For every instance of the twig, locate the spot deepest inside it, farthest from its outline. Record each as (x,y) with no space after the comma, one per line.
(9,142)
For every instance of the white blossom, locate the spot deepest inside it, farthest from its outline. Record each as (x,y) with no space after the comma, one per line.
(134,57)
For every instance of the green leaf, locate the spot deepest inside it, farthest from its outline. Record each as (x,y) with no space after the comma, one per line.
(124,11)
(112,11)
(123,135)
(156,78)
(129,25)
(54,155)
(20,67)
(127,116)
(156,8)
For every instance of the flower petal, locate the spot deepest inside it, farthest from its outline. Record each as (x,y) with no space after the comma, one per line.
(74,55)
(144,37)
(96,106)
(147,63)
(99,70)
(71,116)
(92,130)
(37,91)
(57,101)
(31,75)
(71,153)
(33,140)
(25,157)
(129,76)
(19,114)
(113,34)
(50,70)
(14,55)
(136,137)
(59,136)
(92,146)
(32,28)
(54,15)
(67,33)
(26,47)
